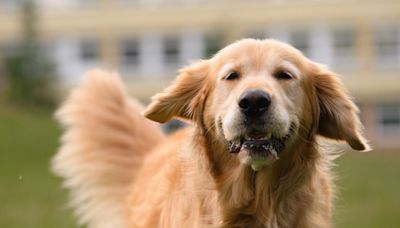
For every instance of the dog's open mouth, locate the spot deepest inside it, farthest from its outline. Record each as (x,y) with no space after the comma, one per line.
(256,149)
(259,145)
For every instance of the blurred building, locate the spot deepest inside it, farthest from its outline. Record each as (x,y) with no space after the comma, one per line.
(148,40)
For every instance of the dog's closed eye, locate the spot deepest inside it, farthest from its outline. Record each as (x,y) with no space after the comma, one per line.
(283,75)
(233,75)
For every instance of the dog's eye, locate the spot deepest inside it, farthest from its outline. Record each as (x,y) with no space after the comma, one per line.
(232,75)
(284,75)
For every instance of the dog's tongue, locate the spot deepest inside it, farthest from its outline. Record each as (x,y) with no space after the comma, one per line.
(256,135)
(235,146)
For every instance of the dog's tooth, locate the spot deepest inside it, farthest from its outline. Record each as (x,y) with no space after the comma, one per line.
(266,137)
(273,152)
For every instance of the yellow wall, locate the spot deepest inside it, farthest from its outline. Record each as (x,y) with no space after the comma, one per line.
(109,20)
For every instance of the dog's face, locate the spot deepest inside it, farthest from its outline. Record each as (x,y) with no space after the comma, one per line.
(260,97)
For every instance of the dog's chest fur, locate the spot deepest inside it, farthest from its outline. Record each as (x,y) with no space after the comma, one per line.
(281,197)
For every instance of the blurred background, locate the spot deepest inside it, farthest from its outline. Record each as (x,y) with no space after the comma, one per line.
(46,46)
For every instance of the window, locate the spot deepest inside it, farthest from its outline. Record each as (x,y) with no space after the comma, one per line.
(213,45)
(88,50)
(129,52)
(10,4)
(301,40)
(171,52)
(387,46)
(389,115)
(343,47)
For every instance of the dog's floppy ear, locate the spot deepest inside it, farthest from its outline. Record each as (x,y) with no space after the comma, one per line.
(338,115)
(184,98)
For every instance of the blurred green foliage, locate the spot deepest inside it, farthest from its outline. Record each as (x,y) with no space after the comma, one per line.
(30,73)
(368,184)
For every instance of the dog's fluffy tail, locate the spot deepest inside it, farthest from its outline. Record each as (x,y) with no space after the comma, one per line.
(102,148)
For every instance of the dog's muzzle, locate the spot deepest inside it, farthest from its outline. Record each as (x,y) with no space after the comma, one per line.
(259,149)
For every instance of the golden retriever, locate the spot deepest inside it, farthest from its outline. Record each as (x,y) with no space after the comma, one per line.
(251,157)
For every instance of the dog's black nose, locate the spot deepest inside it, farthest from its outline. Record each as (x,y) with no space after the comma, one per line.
(254,102)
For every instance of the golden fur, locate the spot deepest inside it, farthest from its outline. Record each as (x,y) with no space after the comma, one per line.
(123,172)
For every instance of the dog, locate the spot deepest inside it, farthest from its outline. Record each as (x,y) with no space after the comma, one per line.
(251,156)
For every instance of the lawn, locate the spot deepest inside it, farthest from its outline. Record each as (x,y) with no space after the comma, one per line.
(368,185)
(368,190)
(30,195)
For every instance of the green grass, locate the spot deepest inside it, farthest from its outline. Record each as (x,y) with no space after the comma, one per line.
(368,190)
(30,196)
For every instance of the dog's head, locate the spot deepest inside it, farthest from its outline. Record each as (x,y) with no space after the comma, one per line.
(260,97)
